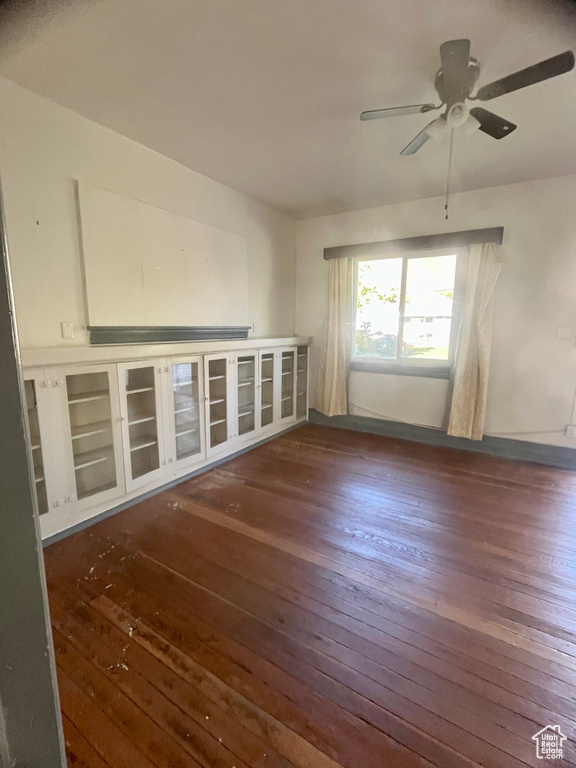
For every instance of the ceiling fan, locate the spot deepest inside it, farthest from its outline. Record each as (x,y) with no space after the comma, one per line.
(454,83)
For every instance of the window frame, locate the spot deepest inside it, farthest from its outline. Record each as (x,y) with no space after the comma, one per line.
(413,366)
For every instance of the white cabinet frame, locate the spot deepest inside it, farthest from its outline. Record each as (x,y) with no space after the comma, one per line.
(170,411)
(222,397)
(158,366)
(76,504)
(237,383)
(291,417)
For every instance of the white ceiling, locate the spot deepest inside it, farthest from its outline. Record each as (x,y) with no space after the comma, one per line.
(265,95)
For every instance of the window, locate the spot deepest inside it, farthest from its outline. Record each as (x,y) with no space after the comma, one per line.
(406,307)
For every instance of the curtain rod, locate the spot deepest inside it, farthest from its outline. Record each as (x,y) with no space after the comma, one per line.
(443,240)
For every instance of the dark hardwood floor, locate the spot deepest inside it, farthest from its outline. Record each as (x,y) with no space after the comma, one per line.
(328,599)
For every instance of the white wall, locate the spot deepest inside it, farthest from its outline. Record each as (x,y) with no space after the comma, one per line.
(533,374)
(44,147)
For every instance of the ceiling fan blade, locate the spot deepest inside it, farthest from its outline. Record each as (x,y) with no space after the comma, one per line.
(418,140)
(553,67)
(455,58)
(410,109)
(492,124)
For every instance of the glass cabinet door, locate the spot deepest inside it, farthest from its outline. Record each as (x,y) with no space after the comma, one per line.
(266,388)
(302,383)
(217,397)
(142,420)
(186,409)
(287,384)
(246,383)
(89,408)
(35,441)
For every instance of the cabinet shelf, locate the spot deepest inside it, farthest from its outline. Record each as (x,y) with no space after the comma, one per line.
(87,397)
(302,354)
(288,397)
(88,459)
(140,418)
(301,370)
(216,402)
(245,382)
(299,394)
(35,447)
(215,378)
(246,411)
(245,362)
(218,421)
(185,410)
(87,430)
(182,384)
(39,479)
(186,431)
(268,379)
(267,405)
(144,441)
(140,389)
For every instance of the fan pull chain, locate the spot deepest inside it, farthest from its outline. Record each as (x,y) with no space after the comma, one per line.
(449,171)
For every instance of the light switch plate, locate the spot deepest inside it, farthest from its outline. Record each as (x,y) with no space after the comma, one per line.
(67,330)
(564,332)
(571,430)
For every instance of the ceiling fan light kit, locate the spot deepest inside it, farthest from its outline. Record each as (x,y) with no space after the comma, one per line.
(437,128)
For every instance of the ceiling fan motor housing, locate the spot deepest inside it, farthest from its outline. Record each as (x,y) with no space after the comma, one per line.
(464,88)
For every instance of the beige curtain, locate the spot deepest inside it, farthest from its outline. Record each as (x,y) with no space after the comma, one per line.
(332,394)
(470,379)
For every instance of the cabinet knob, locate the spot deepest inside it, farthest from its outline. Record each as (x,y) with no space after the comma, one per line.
(166,369)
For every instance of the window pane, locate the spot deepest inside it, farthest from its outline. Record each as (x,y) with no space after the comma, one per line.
(377,309)
(428,309)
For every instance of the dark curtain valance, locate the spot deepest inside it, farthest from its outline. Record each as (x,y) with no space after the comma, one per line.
(443,240)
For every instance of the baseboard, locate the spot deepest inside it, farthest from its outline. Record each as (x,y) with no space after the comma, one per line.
(549,455)
(148,494)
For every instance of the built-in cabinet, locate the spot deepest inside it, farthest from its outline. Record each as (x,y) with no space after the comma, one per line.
(184,408)
(302,382)
(246,421)
(74,424)
(266,388)
(217,375)
(36,447)
(91,433)
(231,400)
(287,358)
(160,402)
(102,432)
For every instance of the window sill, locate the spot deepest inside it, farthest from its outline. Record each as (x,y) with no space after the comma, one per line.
(401,369)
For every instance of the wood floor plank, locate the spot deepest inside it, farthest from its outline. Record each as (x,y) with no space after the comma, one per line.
(80,753)
(328,600)
(78,620)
